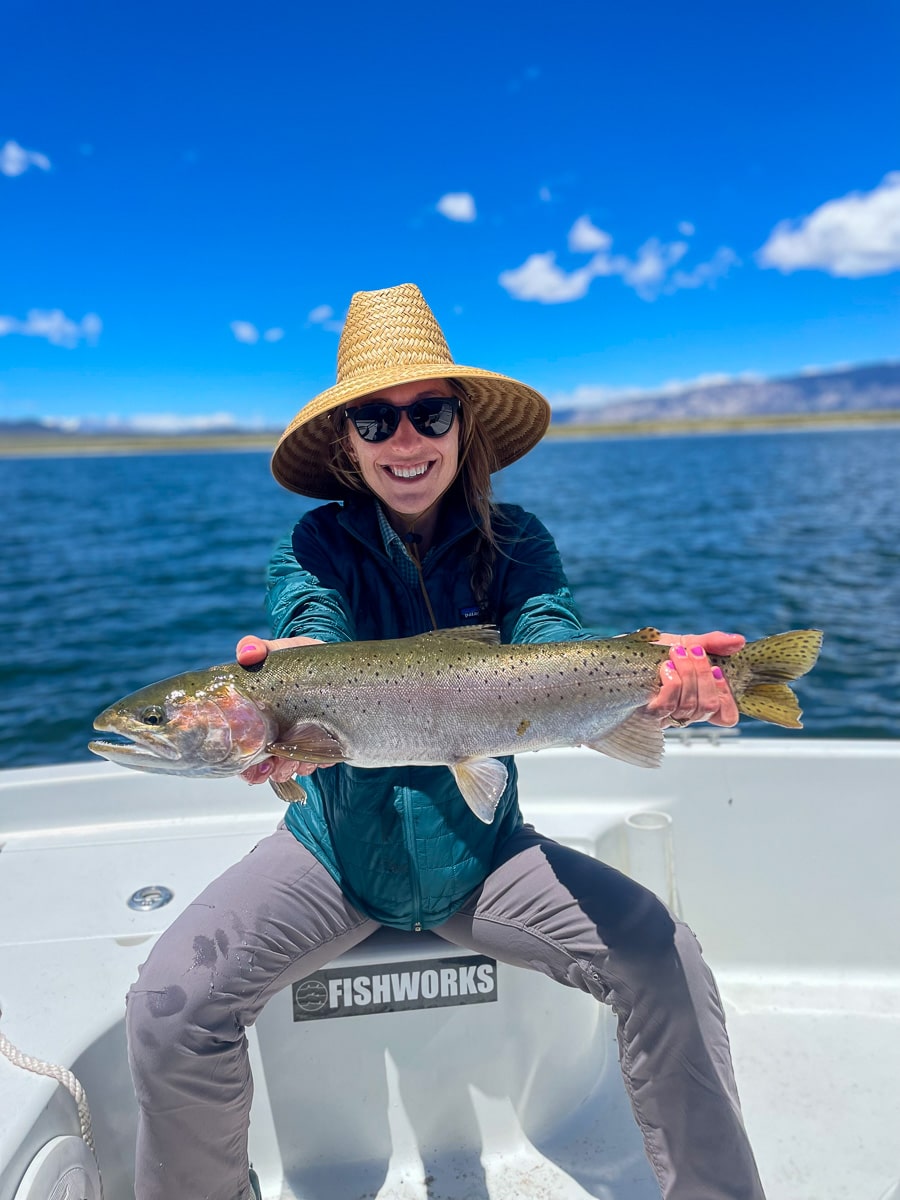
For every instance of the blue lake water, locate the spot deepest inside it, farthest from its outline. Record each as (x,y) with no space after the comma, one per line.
(118,571)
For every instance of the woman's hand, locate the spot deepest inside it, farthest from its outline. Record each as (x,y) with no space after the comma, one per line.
(251,650)
(692,689)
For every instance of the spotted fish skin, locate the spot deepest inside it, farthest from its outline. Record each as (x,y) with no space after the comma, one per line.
(456,698)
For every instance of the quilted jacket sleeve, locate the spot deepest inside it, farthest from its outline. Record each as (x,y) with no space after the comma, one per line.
(306,600)
(536,604)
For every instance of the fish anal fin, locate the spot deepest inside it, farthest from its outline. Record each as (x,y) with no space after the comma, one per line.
(307,742)
(288,790)
(482,782)
(638,740)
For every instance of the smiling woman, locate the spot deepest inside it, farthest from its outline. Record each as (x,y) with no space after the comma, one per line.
(404,446)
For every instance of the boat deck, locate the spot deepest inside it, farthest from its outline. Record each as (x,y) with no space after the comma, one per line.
(781,854)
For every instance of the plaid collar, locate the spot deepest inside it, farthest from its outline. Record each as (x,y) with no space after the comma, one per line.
(395,548)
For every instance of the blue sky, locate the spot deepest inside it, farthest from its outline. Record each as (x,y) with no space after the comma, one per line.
(592,196)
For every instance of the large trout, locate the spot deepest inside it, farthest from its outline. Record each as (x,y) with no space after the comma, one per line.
(455,698)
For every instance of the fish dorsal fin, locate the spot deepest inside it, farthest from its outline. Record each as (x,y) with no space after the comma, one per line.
(638,740)
(482,782)
(488,634)
(289,790)
(648,633)
(307,742)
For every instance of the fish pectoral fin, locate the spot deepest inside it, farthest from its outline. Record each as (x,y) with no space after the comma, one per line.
(307,742)
(289,791)
(638,740)
(482,782)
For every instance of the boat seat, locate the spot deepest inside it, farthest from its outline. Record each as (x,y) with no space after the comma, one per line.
(438,1061)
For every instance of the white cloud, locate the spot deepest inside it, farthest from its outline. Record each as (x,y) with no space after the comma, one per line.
(245,332)
(686,229)
(545,195)
(705,274)
(852,237)
(650,273)
(178,423)
(539,278)
(585,237)
(457,206)
(55,326)
(154,422)
(323,314)
(15,159)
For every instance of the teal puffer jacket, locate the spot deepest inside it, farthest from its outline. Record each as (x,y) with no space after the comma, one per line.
(401,842)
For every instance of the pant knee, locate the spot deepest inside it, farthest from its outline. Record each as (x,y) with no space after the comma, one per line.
(649,930)
(166,1021)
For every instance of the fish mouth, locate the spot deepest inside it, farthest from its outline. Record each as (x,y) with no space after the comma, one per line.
(134,745)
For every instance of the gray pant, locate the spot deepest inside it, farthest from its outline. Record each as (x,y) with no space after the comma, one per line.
(277,916)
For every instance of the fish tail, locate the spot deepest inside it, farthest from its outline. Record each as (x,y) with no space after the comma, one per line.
(774,662)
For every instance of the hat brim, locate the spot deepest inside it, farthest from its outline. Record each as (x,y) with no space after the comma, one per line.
(514,418)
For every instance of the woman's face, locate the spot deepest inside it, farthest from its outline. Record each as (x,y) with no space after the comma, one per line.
(408,472)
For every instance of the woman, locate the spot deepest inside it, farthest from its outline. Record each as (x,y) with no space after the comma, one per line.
(406,441)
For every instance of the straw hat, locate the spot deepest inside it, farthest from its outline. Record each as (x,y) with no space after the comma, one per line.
(392,337)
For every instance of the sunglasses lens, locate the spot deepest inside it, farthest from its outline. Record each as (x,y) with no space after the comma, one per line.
(433,418)
(375,422)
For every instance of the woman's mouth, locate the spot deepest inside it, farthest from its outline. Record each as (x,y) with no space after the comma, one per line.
(413,471)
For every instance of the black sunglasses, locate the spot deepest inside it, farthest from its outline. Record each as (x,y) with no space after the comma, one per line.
(432,416)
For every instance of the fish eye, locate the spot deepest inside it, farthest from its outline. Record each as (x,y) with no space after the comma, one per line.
(153,715)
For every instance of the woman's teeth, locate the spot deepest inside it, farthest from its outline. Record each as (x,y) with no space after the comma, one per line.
(409,472)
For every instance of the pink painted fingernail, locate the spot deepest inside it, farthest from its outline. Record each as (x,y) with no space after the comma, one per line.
(264,768)
(670,665)
(717,673)
(249,646)
(681,652)
(697,650)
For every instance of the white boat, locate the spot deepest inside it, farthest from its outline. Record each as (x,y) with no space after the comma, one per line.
(783,855)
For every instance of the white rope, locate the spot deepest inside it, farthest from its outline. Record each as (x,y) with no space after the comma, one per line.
(61,1075)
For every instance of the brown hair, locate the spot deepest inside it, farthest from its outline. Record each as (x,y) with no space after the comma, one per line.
(477,462)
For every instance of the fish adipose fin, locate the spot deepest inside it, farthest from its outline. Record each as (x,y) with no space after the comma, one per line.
(307,743)
(482,782)
(289,791)
(774,662)
(638,740)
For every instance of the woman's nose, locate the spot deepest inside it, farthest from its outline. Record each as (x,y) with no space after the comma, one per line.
(407,434)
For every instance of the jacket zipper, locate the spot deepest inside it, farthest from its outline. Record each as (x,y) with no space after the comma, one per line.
(406,818)
(411,851)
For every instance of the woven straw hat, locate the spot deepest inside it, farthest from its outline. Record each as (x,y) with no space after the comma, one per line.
(392,337)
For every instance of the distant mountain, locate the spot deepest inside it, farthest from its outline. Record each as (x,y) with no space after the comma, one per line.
(856,389)
(874,388)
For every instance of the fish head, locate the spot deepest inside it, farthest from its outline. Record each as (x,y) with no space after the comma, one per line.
(189,725)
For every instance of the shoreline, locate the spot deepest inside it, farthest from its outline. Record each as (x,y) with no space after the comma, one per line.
(52,445)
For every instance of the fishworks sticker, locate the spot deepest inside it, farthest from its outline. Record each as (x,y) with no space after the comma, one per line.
(395,987)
